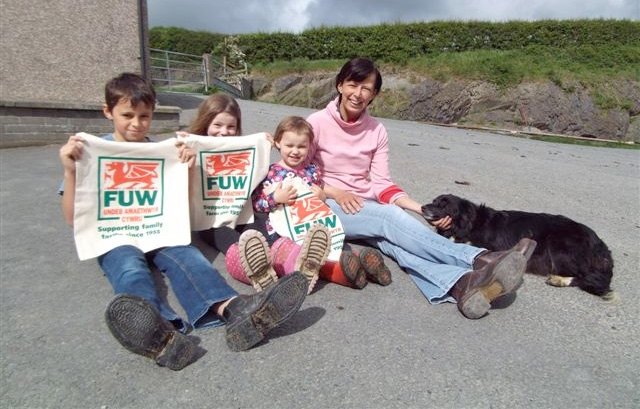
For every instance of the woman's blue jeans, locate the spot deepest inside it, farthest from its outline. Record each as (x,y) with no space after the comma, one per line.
(196,284)
(434,262)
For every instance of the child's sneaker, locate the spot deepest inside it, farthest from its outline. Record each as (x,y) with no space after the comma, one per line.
(313,253)
(374,266)
(140,328)
(256,259)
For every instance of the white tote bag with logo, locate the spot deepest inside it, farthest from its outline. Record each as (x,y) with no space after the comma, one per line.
(129,193)
(227,170)
(294,220)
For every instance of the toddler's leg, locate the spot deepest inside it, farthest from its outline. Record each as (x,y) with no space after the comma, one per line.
(284,253)
(289,257)
(234,265)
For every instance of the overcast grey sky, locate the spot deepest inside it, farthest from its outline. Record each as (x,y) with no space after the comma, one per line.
(294,16)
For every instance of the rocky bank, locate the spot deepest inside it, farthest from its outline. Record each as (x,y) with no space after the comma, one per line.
(540,107)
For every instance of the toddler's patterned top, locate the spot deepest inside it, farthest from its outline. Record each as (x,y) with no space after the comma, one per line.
(264,202)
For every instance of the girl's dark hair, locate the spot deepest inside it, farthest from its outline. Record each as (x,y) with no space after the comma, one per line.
(131,87)
(358,69)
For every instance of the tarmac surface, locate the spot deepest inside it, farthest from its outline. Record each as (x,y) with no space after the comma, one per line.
(380,347)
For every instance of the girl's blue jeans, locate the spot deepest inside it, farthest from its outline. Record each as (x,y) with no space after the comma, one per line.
(434,262)
(196,284)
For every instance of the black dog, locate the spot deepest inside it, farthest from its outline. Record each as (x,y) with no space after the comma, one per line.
(570,253)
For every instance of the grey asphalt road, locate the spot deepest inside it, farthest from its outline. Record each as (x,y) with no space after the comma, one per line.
(380,347)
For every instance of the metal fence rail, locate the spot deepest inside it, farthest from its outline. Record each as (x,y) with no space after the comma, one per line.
(180,72)
(172,69)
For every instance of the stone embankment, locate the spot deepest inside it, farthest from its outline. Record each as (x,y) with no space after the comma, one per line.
(540,107)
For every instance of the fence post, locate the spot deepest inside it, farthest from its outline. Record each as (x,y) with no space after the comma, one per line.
(168,68)
(246,88)
(209,75)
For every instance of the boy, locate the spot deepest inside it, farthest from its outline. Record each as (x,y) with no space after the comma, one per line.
(138,317)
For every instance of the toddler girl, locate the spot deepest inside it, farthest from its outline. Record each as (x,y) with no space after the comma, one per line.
(292,138)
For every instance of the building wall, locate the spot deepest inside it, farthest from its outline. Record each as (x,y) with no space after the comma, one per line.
(29,124)
(57,57)
(65,50)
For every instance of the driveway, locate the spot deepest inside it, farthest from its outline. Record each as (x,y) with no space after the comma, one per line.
(380,347)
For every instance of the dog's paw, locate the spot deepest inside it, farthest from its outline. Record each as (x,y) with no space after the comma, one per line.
(559,281)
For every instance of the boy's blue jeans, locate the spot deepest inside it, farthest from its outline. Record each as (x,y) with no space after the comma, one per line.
(434,262)
(196,284)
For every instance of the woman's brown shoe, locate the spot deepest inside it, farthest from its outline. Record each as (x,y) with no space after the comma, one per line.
(374,267)
(352,269)
(495,273)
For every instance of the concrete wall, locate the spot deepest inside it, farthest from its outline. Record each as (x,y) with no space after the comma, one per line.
(29,124)
(65,50)
(57,57)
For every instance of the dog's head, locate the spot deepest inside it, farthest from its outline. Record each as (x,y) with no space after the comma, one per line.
(461,211)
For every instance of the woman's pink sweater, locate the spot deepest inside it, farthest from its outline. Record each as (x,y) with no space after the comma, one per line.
(354,156)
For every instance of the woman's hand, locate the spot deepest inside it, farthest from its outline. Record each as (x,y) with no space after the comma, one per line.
(442,224)
(285,195)
(350,203)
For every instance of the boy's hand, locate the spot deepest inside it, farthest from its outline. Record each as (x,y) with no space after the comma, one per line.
(185,153)
(285,195)
(318,192)
(182,134)
(70,152)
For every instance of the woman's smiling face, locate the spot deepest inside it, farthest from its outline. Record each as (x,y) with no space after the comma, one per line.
(356,96)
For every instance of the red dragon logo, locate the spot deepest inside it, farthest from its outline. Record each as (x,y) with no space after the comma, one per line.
(130,175)
(236,163)
(309,209)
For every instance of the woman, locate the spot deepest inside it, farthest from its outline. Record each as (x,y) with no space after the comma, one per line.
(352,149)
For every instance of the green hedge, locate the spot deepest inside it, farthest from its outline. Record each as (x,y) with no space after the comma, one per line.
(400,42)
(183,41)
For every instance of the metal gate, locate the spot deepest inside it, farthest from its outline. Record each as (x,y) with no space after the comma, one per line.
(172,71)
(179,72)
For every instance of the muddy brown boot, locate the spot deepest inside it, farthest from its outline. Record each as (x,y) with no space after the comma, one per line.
(140,328)
(494,274)
(250,317)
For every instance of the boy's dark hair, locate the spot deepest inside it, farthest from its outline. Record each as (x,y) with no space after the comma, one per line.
(131,87)
(358,69)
